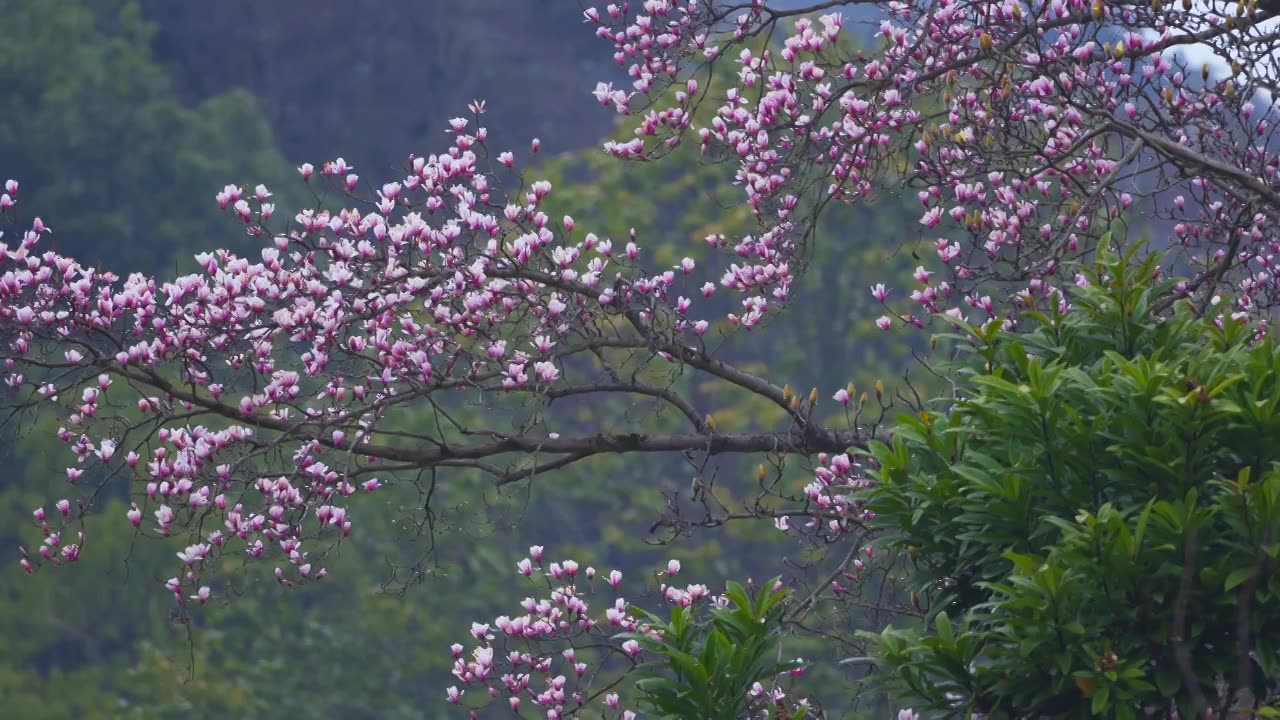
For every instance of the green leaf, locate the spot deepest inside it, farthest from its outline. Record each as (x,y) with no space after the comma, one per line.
(942,624)
(1237,578)
(1099,700)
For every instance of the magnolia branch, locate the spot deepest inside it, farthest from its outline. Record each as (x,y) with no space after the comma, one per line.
(686,353)
(1190,160)
(806,440)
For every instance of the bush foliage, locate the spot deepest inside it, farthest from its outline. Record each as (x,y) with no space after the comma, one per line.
(1093,523)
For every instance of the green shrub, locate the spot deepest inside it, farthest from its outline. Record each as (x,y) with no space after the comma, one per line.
(704,668)
(1094,523)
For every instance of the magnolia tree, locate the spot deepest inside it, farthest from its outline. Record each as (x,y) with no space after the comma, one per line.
(245,406)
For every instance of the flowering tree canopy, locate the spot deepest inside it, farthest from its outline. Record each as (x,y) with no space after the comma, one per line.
(247,402)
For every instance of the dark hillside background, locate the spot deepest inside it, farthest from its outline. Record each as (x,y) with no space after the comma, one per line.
(373,81)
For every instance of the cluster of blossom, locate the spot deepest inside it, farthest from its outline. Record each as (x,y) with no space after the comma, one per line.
(379,307)
(177,497)
(1013,117)
(450,282)
(557,656)
(831,495)
(52,549)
